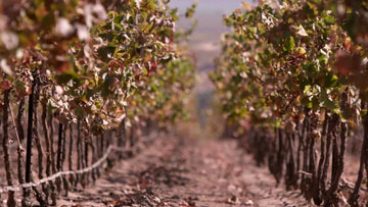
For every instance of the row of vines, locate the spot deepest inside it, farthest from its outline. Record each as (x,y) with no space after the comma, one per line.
(293,78)
(80,76)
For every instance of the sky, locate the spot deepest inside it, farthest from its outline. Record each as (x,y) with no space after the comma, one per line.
(209,5)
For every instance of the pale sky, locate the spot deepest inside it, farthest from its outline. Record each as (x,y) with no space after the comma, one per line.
(222,6)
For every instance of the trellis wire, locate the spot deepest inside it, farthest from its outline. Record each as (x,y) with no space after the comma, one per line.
(16,188)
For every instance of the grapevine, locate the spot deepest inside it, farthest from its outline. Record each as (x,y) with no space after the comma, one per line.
(290,77)
(78,77)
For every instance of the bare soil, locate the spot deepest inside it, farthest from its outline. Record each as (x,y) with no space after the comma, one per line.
(186,173)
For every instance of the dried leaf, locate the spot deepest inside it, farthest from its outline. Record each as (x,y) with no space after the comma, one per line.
(63,27)
(5,67)
(9,39)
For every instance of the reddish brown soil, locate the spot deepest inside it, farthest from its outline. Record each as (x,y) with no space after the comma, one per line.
(186,172)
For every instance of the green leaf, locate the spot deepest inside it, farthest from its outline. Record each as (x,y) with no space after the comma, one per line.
(289,44)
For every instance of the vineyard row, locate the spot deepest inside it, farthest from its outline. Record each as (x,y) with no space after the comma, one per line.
(79,79)
(292,78)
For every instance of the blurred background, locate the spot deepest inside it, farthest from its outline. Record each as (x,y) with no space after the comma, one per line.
(204,43)
(206,38)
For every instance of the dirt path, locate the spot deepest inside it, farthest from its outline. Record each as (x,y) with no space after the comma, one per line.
(183,172)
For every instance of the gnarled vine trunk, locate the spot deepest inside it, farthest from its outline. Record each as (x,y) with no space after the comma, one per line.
(7,164)
(353,199)
(28,164)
